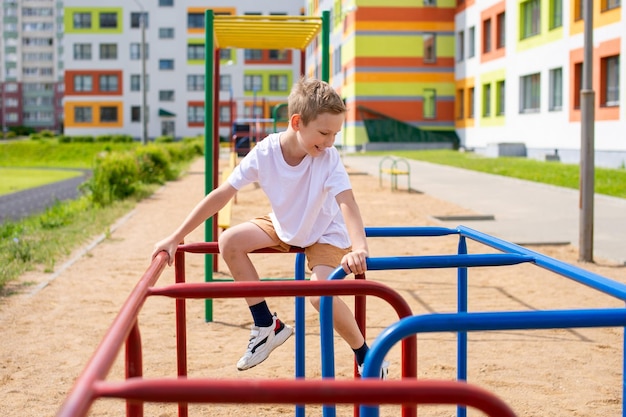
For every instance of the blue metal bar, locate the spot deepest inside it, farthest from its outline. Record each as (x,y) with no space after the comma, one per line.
(409,231)
(446,261)
(462,336)
(587,278)
(300,329)
(515,320)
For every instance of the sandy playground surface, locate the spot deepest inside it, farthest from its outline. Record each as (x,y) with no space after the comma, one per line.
(50,332)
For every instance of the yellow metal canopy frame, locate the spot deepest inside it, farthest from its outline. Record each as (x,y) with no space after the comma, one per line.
(265,32)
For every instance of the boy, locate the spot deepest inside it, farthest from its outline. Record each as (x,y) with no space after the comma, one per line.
(313,207)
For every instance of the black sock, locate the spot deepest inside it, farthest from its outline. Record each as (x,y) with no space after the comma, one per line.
(261,315)
(360,353)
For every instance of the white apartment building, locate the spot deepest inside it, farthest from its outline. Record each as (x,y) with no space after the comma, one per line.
(31,80)
(519,72)
(103,67)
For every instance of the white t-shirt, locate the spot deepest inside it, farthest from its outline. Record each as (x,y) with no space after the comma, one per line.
(304,209)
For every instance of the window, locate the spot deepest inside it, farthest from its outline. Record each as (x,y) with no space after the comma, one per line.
(83,114)
(610,4)
(486,36)
(225,54)
(470,103)
(277,54)
(500,97)
(225,114)
(430,105)
(108,20)
(460,99)
(555,101)
(430,3)
(82,51)
(253,54)
(108,83)
(471,42)
(195,82)
(83,83)
(108,114)
(195,51)
(166,95)
(166,64)
(500,30)
(430,55)
(278,82)
(108,51)
(135,82)
(195,114)
(252,83)
(166,3)
(225,82)
(195,20)
(82,20)
(460,50)
(166,33)
(530,93)
(135,113)
(531,13)
(609,81)
(254,110)
(486,100)
(135,51)
(135,19)
(556,14)
(578,83)
(578,9)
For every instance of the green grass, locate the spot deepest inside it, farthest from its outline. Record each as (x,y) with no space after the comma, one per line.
(39,241)
(610,182)
(18,179)
(51,154)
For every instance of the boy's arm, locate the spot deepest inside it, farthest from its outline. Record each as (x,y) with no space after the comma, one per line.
(206,208)
(354,261)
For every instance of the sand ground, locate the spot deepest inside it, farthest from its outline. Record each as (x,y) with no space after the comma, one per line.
(51,329)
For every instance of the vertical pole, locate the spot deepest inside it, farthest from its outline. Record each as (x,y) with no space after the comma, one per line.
(144,83)
(587,103)
(461,336)
(326,45)
(208,146)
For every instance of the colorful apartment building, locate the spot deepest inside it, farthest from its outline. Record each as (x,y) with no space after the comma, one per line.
(104,67)
(519,73)
(393,62)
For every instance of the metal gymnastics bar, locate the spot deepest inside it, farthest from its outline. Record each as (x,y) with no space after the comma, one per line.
(513,254)
(253,32)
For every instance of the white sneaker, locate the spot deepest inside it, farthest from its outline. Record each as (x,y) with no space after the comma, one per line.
(384,370)
(263,340)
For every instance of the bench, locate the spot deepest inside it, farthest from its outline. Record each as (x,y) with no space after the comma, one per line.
(394,171)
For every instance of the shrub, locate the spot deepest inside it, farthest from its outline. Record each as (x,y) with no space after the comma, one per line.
(154,164)
(115,177)
(164,139)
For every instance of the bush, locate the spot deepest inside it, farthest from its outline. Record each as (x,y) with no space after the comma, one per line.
(154,164)
(164,139)
(115,177)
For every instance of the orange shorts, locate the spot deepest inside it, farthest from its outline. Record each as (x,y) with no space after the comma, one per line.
(316,254)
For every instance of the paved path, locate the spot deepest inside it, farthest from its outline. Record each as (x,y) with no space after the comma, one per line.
(524,212)
(16,206)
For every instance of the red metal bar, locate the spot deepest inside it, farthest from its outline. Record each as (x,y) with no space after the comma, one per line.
(327,391)
(134,367)
(82,394)
(302,288)
(181,327)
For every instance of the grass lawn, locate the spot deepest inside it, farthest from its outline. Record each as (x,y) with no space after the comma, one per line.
(608,181)
(17,179)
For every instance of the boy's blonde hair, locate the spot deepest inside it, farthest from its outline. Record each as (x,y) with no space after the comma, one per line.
(310,97)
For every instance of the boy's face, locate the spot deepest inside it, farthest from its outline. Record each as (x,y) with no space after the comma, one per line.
(320,133)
